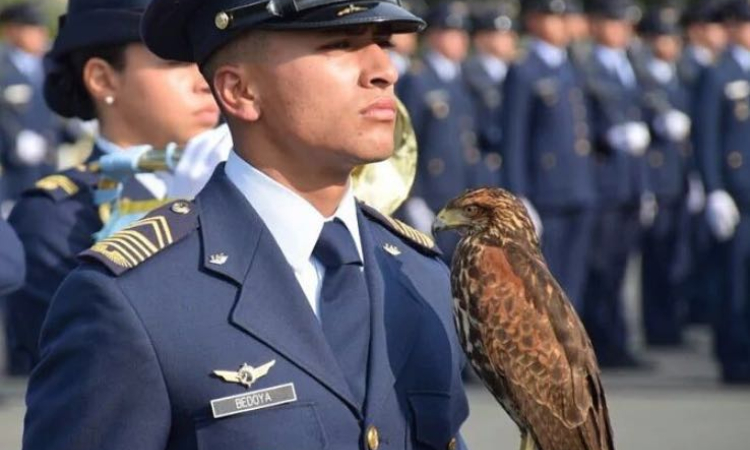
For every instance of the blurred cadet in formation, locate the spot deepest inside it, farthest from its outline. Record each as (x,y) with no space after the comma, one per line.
(546,145)
(29,131)
(442,113)
(722,136)
(12,268)
(665,241)
(99,69)
(621,138)
(495,39)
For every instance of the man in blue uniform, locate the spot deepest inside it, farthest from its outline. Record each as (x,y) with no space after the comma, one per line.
(722,136)
(546,147)
(495,41)
(437,97)
(29,131)
(665,241)
(12,268)
(621,139)
(274,311)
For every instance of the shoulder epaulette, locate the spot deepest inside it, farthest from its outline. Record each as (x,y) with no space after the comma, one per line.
(65,184)
(418,240)
(145,238)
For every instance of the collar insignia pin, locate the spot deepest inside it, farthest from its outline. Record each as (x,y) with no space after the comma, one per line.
(350,10)
(246,375)
(391,249)
(219,259)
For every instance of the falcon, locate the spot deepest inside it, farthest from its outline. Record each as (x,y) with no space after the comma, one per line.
(518,329)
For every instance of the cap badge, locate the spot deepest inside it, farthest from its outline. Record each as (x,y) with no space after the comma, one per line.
(351,9)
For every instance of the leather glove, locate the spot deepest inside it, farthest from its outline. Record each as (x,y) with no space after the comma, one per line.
(722,214)
(31,148)
(534,215)
(199,159)
(673,125)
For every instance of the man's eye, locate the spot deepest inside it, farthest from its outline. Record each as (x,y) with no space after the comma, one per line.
(337,45)
(385,43)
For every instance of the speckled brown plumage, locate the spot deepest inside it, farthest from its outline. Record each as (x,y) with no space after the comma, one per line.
(518,328)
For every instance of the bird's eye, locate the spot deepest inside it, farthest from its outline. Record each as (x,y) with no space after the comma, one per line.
(470,210)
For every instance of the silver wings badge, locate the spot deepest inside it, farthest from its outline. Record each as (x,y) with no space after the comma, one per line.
(246,375)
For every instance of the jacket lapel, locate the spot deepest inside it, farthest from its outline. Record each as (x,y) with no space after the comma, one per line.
(271,305)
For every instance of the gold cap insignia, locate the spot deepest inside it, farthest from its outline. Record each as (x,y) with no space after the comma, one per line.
(246,375)
(350,10)
(222,20)
(219,259)
(391,249)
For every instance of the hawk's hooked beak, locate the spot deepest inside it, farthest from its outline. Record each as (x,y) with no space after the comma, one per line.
(448,219)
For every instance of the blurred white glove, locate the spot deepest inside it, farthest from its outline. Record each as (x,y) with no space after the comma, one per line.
(673,125)
(534,215)
(649,209)
(722,214)
(419,215)
(199,159)
(630,137)
(31,147)
(696,198)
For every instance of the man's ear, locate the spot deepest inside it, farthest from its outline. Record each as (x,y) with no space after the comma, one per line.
(235,93)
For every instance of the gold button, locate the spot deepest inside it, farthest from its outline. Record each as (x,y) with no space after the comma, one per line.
(549,161)
(656,159)
(436,166)
(735,160)
(373,440)
(493,161)
(440,109)
(181,208)
(452,444)
(583,147)
(472,155)
(222,20)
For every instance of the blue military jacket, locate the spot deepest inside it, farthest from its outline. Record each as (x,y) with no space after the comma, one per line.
(12,269)
(621,177)
(546,149)
(722,129)
(22,107)
(487,96)
(442,114)
(667,161)
(55,221)
(133,337)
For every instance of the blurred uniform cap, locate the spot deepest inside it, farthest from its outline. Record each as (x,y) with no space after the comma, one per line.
(547,6)
(449,16)
(92,23)
(192,30)
(575,7)
(737,10)
(625,10)
(501,16)
(22,14)
(660,21)
(707,11)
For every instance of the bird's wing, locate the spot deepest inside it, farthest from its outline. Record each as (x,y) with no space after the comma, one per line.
(533,335)
(227,375)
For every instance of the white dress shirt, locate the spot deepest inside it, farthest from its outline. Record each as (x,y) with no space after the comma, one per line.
(155,183)
(293,222)
(495,67)
(742,56)
(552,55)
(446,69)
(616,61)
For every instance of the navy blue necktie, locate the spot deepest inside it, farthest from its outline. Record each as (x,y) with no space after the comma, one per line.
(345,304)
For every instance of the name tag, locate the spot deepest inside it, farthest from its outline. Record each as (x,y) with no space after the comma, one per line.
(254,400)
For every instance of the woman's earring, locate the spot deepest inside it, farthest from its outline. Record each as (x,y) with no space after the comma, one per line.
(110,100)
